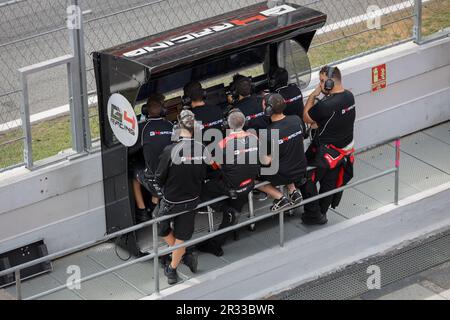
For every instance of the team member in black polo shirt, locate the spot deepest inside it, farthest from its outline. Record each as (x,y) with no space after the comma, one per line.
(156,136)
(238,165)
(249,103)
(181,173)
(291,157)
(292,94)
(153,109)
(211,117)
(332,151)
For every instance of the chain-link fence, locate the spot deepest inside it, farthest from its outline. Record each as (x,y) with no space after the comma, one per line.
(32,31)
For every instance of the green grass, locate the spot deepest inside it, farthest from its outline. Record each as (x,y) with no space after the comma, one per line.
(436,16)
(49,138)
(53,136)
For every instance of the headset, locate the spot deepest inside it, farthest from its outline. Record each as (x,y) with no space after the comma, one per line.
(187,100)
(233,88)
(329,84)
(144,110)
(269,111)
(269,107)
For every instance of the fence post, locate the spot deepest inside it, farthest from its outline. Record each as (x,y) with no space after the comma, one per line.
(417,31)
(26,123)
(81,134)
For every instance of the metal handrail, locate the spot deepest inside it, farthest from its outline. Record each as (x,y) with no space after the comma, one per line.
(155,255)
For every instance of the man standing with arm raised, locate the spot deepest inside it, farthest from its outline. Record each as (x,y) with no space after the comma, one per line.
(332,150)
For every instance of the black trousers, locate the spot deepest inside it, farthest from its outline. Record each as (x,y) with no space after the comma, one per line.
(328,181)
(216,188)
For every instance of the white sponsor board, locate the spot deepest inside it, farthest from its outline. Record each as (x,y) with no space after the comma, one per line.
(123,120)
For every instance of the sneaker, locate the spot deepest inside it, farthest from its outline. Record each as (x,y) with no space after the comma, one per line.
(320,221)
(191,260)
(280,204)
(172,275)
(142,216)
(296,197)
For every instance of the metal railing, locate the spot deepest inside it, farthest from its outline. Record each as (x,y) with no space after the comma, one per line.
(154,224)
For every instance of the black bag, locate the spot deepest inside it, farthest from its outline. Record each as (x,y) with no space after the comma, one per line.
(148,181)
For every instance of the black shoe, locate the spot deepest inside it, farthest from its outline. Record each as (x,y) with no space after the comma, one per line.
(172,275)
(191,260)
(280,204)
(319,221)
(211,247)
(142,216)
(165,261)
(296,197)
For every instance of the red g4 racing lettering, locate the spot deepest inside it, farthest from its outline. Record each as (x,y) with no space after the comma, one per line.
(273,12)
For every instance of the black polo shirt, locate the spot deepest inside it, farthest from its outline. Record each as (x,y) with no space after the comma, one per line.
(239,159)
(293,97)
(335,115)
(182,170)
(291,155)
(211,117)
(156,136)
(253,110)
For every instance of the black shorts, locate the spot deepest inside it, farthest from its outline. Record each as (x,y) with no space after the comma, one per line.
(183,225)
(277,180)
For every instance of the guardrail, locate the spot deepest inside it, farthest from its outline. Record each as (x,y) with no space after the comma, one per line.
(154,223)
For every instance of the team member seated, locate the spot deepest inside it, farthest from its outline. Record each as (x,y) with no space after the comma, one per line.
(181,173)
(291,157)
(250,104)
(138,161)
(156,136)
(292,94)
(237,160)
(195,96)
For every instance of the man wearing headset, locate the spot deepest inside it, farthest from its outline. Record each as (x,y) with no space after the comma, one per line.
(181,174)
(243,99)
(238,166)
(211,117)
(291,157)
(142,160)
(156,136)
(332,150)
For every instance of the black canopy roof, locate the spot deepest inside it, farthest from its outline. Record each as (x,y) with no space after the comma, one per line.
(237,29)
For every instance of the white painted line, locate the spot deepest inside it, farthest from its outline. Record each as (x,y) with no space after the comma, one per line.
(328,28)
(367,17)
(42,116)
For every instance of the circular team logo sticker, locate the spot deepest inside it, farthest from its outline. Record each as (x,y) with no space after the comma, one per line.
(123,120)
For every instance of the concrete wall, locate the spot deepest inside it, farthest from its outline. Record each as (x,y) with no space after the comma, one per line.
(63,204)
